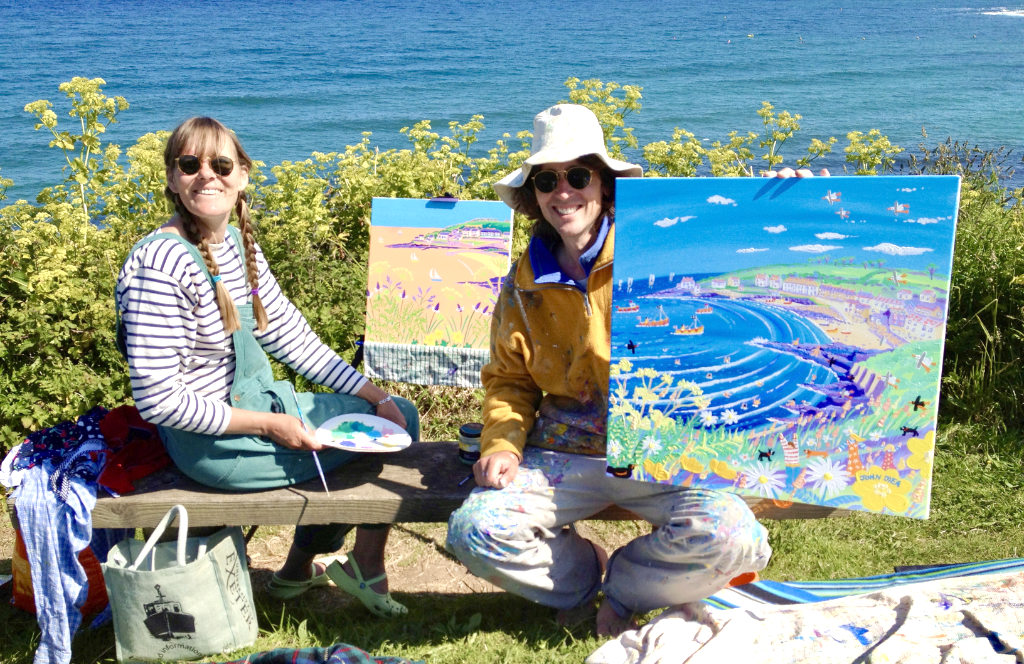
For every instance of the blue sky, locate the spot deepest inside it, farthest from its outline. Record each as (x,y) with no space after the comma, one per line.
(713,225)
(418,213)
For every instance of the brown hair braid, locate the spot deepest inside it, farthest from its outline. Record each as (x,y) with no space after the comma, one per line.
(251,269)
(205,136)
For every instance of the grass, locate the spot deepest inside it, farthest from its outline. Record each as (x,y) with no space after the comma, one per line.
(977,500)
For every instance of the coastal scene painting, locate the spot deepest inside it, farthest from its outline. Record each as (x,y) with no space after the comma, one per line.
(782,338)
(435,269)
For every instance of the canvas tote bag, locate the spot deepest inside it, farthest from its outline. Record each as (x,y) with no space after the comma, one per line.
(180,599)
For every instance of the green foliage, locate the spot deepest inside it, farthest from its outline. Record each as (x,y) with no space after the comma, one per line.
(4,184)
(59,256)
(684,155)
(870,152)
(87,163)
(983,374)
(611,110)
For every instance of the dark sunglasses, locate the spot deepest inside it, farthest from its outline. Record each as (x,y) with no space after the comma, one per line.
(189,164)
(546,181)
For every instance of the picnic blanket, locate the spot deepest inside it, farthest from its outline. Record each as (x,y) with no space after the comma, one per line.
(959,613)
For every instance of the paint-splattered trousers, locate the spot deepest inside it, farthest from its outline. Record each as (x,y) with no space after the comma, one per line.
(520,538)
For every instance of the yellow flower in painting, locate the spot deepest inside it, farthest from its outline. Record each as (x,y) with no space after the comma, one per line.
(434,338)
(623,409)
(922,454)
(643,393)
(693,387)
(656,470)
(722,469)
(691,464)
(659,419)
(882,489)
(702,401)
(624,366)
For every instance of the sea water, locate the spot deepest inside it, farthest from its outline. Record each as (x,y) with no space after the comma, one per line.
(296,77)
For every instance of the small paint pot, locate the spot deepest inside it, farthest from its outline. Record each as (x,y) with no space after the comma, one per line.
(469,442)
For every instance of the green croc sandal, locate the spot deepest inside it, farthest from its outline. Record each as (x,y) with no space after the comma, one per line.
(379,604)
(279,588)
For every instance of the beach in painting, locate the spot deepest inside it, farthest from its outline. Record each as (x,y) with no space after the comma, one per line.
(795,352)
(435,286)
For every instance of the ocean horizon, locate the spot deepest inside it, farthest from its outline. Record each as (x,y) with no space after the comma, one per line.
(294,78)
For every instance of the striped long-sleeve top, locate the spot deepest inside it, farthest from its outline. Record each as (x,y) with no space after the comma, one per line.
(181,362)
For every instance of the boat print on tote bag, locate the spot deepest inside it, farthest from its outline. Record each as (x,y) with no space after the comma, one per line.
(782,338)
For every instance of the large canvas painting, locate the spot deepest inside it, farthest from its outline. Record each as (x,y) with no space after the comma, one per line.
(435,271)
(782,338)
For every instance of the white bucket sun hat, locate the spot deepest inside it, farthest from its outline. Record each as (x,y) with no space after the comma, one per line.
(561,133)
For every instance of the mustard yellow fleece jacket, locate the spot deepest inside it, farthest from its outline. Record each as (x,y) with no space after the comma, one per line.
(546,383)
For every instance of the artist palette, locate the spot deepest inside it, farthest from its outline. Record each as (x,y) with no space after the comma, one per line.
(358,432)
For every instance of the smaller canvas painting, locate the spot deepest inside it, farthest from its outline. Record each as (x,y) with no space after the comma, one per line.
(435,271)
(782,338)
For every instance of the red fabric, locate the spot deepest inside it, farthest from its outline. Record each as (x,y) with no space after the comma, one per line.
(135,449)
(22,595)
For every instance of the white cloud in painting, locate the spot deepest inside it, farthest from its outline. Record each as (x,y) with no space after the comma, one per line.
(776,229)
(907,190)
(830,236)
(721,200)
(750,250)
(672,221)
(815,248)
(924,221)
(896,250)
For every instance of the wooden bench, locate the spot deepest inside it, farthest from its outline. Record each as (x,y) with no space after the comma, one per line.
(424,483)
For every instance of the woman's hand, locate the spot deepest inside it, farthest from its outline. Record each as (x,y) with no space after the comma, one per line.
(496,470)
(283,429)
(787,172)
(390,411)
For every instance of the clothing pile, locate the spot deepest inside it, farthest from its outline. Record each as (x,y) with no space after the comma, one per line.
(54,476)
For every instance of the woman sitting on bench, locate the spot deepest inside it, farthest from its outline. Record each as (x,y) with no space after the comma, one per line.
(199,310)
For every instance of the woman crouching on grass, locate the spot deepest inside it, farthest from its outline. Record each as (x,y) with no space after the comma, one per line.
(542,463)
(200,311)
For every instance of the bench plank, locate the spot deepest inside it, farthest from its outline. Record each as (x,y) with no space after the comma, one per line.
(418,484)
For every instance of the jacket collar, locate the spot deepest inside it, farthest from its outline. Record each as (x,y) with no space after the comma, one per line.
(545,266)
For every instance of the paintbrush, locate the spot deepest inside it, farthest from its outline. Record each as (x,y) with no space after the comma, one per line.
(316,458)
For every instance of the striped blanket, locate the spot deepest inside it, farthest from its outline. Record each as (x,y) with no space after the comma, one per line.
(968,614)
(803,592)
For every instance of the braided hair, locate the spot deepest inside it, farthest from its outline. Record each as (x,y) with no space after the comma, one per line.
(205,136)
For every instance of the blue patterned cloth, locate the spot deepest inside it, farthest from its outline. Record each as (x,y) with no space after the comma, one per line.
(55,530)
(57,470)
(339,653)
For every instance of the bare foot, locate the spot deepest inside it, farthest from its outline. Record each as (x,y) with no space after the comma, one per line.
(577,614)
(610,623)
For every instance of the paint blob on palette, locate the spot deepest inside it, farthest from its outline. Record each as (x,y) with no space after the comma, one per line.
(357,432)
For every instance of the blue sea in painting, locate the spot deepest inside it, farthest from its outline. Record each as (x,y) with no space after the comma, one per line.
(294,78)
(756,383)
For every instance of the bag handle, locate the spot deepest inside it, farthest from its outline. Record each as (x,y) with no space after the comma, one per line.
(159,530)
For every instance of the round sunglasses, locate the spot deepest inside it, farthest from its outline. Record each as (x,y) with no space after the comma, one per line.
(546,181)
(189,164)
